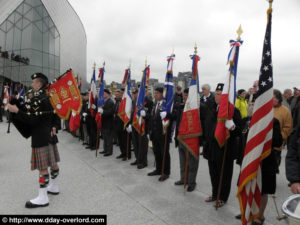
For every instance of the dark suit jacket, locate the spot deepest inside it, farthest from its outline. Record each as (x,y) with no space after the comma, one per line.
(108,114)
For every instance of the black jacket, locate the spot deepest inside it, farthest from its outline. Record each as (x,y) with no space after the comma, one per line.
(36,119)
(108,114)
(211,149)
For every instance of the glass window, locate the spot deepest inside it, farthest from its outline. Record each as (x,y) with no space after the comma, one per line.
(36,58)
(2,40)
(26,37)
(45,60)
(9,40)
(57,46)
(3,26)
(51,61)
(20,9)
(57,62)
(51,45)
(17,39)
(46,42)
(37,38)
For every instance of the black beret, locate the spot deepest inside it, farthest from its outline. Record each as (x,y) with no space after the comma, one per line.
(122,89)
(220,87)
(186,91)
(159,89)
(107,91)
(40,75)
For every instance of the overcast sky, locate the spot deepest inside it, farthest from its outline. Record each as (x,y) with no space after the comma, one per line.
(118,31)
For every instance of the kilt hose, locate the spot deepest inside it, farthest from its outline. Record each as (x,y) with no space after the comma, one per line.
(44,157)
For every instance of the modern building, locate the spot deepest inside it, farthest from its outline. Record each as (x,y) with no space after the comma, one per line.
(40,36)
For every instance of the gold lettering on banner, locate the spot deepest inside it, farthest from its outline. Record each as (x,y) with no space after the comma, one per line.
(73,92)
(55,99)
(64,93)
(189,116)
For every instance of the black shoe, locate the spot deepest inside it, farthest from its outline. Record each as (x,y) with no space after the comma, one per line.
(154,173)
(163,177)
(133,163)
(93,148)
(120,156)
(191,187)
(107,154)
(30,205)
(84,143)
(180,182)
(103,152)
(141,166)
(238,217)
(88,147)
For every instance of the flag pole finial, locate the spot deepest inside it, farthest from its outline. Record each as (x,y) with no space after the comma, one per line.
(195,48)
(94,67)
(146,62)
(270,3)
(239,32)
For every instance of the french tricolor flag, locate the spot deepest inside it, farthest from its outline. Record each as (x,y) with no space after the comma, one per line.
(190,126)
(226,107)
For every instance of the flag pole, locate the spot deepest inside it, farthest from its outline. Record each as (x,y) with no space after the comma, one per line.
(239,32)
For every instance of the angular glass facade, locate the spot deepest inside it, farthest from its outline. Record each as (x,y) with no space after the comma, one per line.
(30,42)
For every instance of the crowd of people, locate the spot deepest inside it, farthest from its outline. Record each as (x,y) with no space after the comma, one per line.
(286,135)
(14,57)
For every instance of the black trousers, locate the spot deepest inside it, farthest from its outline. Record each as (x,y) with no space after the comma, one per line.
(158,149)
(121,135)
(215,172)
(107,140)
(140,147)
(193,164)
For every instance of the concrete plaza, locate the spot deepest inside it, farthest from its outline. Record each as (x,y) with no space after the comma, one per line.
(106,185)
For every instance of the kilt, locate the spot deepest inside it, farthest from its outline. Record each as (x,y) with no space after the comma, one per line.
(44,157)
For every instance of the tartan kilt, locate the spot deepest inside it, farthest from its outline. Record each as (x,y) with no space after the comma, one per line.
(44,157)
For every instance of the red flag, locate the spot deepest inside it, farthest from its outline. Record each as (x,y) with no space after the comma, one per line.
(74,122)
(65,96)
(98,119)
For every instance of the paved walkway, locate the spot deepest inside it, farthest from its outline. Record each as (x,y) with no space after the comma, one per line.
(109,186)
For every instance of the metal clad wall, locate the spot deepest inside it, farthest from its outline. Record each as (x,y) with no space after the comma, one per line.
(73,40)
(72,34)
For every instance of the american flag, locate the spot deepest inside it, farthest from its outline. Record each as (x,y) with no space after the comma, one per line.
(259,140)
(168,95)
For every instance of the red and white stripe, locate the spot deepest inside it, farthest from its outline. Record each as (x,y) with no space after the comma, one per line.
(6,97)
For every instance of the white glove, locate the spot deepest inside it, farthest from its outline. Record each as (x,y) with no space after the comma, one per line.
(100,110)
(84,114)
(93,106)
(143,113)
(229,124)
(129,129)
(163,115)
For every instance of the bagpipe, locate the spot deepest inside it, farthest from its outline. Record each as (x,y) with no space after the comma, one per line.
(63,95)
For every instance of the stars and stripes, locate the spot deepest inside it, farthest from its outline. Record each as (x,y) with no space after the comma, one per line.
(125,106)
(168,94)
(226,107)
(259,140)
(190,126)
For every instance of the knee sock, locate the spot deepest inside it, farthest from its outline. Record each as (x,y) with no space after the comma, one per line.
(54,173)
(44,180)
